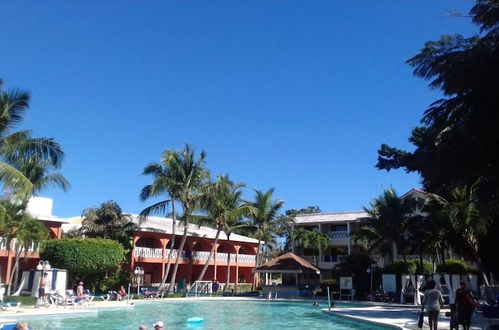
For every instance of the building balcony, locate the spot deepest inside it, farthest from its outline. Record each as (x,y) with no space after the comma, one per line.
(334,235)
(143,252)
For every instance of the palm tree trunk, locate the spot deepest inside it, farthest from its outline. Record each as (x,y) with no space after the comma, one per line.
(180,249)
(172,244)
(14,270)
(253,285)
(228,272)
(212,252)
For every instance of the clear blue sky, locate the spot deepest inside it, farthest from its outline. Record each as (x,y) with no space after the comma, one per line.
(296,95)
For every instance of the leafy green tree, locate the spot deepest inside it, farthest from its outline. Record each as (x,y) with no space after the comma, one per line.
(20,144)
(311,239)
(83,258)
(108,221)
(456,144)
(264,217)
(224,206)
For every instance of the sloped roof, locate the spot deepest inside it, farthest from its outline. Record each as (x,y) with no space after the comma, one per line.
(164,225)
(314,218)
(287,263)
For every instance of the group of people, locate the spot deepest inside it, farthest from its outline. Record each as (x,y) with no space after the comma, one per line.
(461,311)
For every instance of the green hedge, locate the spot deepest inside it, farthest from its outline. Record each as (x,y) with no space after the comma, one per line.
(24,300)
(83,256)
(410,267)
(453,266)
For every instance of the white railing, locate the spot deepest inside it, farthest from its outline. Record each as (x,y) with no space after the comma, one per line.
(338,234)
(224,256)
(200,255)
(3,243)
(247,258)
(144,252)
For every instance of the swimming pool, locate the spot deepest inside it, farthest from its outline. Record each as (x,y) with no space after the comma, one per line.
(235,314)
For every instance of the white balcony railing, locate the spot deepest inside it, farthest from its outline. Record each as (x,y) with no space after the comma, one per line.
(338,234)
(247,258)
(143,252)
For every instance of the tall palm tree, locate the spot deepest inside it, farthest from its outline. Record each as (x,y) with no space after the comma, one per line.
(224,205)
(167,180)
(191,175)
(264,218)
(13,106)
(465,221)
(311,239)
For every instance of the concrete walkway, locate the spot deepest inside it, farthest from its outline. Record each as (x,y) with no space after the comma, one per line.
(395,315)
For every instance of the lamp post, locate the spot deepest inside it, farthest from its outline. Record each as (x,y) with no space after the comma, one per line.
(139,273)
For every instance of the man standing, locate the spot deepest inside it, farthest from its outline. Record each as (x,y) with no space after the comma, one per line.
(41,289)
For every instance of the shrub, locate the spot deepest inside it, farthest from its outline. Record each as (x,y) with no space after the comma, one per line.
(24,300)
(453,266)
(400,267)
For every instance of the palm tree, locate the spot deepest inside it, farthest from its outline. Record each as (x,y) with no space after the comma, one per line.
(166,181)
(41,173)
(264,218)
(191,176)
(386,225)
(13,106)
(311,239)
(465,222)
(108,221)
(224,206)
(28,233)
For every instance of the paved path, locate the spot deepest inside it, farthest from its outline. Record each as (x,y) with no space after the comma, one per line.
(396,315)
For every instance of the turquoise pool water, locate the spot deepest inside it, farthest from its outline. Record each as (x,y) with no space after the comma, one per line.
(216,315)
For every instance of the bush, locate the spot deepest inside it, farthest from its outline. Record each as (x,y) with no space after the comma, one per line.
(83,256)
(400,267)
(453,266)
(24,300)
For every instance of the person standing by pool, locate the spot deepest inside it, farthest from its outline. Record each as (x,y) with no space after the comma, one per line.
(465,305)
(216,286)
(433,299)
(41,288)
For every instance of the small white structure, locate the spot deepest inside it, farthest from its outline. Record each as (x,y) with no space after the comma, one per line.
(30,281)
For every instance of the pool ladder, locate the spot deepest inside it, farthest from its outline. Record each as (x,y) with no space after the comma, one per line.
(270,296)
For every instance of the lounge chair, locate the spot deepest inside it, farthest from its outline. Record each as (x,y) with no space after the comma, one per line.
(103,297)
(14,306)
(73,300)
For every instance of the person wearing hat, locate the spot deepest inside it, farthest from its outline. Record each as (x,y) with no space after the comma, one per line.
(158,325)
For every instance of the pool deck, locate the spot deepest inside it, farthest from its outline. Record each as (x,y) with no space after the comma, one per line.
(398,316)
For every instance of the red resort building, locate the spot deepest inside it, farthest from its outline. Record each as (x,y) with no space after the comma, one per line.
(234,256)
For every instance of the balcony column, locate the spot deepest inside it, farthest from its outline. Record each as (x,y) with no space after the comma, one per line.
(132,262)
(164,244)
(349,243)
